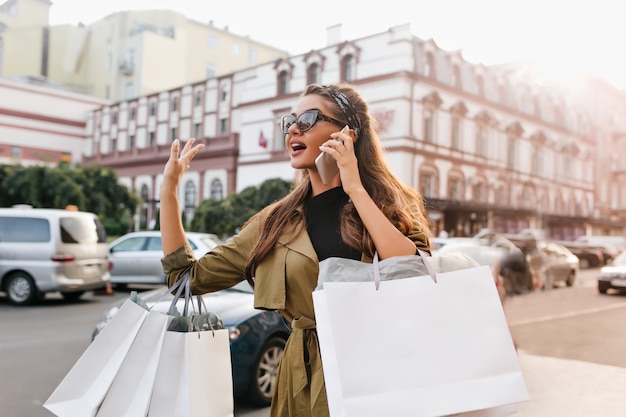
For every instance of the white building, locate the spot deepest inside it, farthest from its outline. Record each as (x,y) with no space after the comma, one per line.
(486,146)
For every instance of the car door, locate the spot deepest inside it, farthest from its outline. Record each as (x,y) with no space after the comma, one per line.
(558,265)
(124,258)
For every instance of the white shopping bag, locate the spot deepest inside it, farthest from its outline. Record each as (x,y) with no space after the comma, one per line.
(83,389)
(416,347)
(194,376)
(131,390)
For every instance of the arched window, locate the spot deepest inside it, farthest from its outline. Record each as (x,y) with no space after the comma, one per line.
(348,68)
(217,190)
(313,75)
(190,194)
(282,82)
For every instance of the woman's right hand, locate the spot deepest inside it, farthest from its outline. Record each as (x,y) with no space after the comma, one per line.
(177,164)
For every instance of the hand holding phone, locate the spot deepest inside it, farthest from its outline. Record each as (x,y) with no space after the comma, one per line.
(327,165)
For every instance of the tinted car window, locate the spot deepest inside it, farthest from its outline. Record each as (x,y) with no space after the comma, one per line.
(154,243)
(24,229)
(81,229)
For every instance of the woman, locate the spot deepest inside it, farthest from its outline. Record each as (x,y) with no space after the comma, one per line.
(364,208)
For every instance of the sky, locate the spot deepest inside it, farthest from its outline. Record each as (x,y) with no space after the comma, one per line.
(563,38)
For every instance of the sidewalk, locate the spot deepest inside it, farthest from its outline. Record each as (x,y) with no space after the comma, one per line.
(569,388)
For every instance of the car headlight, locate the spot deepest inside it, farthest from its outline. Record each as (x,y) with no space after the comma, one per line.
(235,332)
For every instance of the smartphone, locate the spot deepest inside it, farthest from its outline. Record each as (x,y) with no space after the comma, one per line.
(327,166)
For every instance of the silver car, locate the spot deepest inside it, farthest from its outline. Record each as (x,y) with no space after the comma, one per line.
(135,258)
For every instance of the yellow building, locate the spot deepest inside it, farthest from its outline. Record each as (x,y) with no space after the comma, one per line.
(23,34)
(123,55)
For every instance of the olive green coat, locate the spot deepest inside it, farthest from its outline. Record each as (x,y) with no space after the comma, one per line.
(284,281)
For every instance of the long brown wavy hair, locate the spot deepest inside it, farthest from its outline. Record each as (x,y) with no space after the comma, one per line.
(402,205)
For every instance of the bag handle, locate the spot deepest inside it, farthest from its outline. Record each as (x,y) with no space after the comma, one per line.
(423,255)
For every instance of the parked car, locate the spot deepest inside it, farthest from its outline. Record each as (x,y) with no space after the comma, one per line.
(49,250)
(257,337)
(135,258)
(489,251)
(590,256)
(613,276)
(552,261)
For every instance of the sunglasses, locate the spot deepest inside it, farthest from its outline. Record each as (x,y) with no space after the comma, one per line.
(306,120)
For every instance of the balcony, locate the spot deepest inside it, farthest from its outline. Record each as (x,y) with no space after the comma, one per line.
(127,67)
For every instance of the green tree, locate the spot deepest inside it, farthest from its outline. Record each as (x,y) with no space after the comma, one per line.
(225,217)
(94,189)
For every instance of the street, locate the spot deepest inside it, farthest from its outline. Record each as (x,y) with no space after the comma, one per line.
(40,343)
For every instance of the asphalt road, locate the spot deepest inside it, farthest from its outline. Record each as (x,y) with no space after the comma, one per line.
(40,343)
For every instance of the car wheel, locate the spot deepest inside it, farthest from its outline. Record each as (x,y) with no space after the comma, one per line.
(72,296)
(602,288)
(263,378)
(21,289)
(570,279)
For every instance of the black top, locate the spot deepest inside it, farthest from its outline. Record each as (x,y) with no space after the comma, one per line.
(323,219)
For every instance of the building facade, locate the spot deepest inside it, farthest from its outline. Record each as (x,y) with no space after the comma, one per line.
(488,147)
(41,125)
(124,55)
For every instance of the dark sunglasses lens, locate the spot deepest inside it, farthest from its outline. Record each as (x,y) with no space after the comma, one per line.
(306,120)
(286,122)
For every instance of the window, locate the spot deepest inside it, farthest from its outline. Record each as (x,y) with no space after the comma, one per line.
(482,140)
(131,141)
(455,189)
(212,42)
(428,184)
(196,130)
(113,144)
(537,161)
(198,99)
(254,55)
(223,126)
(480,196)
(348,68)
(114,118)
(152,107)
(456,77)
(16,152)
(313,74)
(456,132)
(429,125)
(129,91)
(174,104)
(24,229)
(133,113)
(282,82)
(172,134)
(511,152)
(108,62)
(217,190)
(224,94)
(151,138)
(190,194)
(429,65)
(236,49)
(211,71)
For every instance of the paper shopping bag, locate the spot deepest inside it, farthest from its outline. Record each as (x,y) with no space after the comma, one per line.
(131,390)
(416,347)
(194,376)
(83,389)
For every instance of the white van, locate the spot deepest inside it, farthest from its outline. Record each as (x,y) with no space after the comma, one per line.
(47,250)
